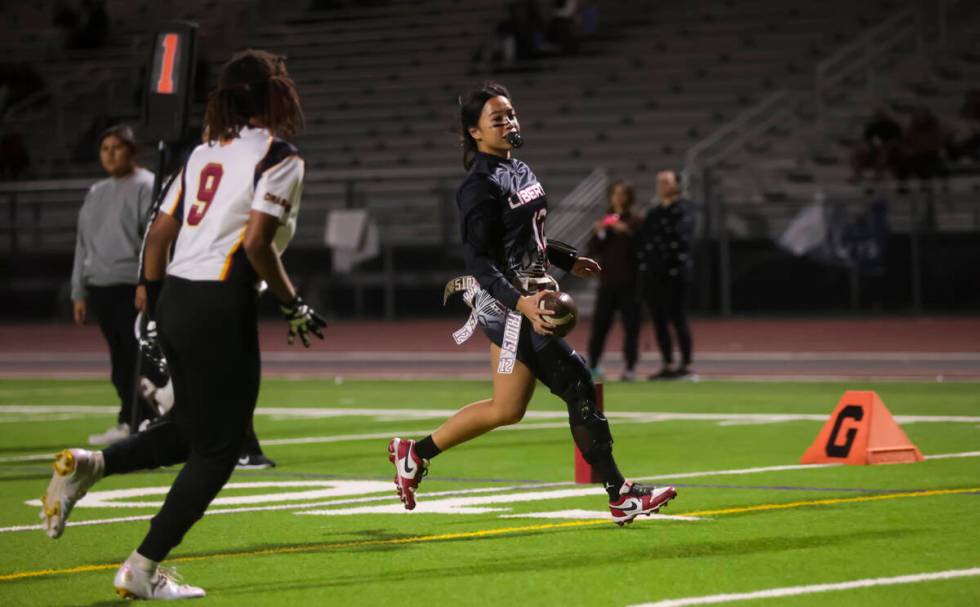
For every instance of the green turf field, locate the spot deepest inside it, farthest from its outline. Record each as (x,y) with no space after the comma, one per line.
(504,525)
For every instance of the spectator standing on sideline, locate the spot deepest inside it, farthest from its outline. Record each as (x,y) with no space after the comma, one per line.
(922,148)
(104,276)
(612,246)
(964,144)
(879,147)
(665,270)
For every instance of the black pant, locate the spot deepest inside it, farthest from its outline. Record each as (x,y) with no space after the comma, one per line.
(564,372)
(114,308)
(667,299)
(160,444)
(208,332)
(611,299)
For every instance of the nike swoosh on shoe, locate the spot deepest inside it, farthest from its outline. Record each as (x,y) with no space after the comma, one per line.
(409,472)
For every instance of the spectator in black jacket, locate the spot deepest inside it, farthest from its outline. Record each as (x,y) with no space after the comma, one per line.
(612,246)
(665,270)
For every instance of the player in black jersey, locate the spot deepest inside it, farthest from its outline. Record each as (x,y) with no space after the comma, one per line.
(502,209)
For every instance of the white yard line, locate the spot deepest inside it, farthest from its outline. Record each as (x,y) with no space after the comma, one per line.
(395,414)
(773,593)
(455,493)
(954,455)
(361,500)
(737,472)
(340,438)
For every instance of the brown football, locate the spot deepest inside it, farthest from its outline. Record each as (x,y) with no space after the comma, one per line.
(565,312)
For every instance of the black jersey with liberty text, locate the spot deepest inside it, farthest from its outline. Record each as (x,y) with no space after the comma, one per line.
(502,210)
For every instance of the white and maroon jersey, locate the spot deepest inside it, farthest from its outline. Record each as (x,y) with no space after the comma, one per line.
(211,198)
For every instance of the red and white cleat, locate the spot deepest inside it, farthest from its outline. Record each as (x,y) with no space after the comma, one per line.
(635,500)
(409,469)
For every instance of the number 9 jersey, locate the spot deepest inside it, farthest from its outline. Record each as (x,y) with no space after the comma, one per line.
(221,182)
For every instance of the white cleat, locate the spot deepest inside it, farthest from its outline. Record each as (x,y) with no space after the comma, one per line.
(161,584)
(75,471)
(112,435)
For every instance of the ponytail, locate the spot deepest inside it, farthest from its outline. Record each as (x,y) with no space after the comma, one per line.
(283,110)
(253,84)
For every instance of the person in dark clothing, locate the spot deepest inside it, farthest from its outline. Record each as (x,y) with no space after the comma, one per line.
(502,209)
(879,148)
(665,270)
(922,149)
(964,141)
(612,244)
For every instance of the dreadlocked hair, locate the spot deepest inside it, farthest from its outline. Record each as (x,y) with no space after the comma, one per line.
(470,107)
(253,84)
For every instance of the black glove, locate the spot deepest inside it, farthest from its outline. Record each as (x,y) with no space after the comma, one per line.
(302,320)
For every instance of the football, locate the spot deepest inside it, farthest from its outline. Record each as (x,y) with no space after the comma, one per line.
(565,312)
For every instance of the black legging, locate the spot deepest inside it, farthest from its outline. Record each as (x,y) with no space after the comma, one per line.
(611,299)
(208,331)
(160,444)
(667,299)
(115,310)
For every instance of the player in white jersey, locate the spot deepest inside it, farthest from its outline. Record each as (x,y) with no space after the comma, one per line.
(227,217)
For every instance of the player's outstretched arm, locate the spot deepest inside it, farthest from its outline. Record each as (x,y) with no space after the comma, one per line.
(261,250)
(262,254)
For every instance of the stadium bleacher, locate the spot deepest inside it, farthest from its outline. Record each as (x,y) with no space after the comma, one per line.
(379,85)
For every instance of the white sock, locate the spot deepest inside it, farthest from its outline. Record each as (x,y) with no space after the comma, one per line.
(98,463)
(138,561)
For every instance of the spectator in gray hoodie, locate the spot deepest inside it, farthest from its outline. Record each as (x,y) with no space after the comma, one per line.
(104,278)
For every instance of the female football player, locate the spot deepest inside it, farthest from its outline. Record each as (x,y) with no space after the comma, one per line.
(231,210)
(502,209)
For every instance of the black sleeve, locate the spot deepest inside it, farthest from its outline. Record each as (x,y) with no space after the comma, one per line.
(482,233)
(561,254)
(685,226)
(641,240)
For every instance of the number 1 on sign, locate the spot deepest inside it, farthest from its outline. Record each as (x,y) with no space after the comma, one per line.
(165,84)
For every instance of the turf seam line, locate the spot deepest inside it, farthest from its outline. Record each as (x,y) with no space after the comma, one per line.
(472,534)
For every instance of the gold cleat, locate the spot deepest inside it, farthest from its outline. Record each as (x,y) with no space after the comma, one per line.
(64,463)
(75,471)
(50,511)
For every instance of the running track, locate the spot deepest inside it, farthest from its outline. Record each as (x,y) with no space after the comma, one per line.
(922,348)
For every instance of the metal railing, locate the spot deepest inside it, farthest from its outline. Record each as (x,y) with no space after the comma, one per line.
(732,137)
(863,57)
(859,61)
(576,211)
